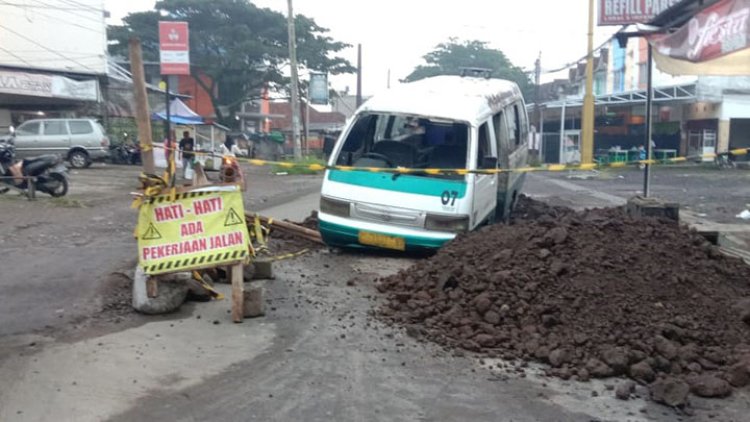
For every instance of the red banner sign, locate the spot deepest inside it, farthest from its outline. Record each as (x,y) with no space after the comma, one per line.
(716,31)
(624,12)
(174,48)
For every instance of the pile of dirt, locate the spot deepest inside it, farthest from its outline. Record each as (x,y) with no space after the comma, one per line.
(592,294)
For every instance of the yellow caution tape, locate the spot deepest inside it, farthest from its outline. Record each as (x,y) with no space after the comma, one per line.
(214,293)
(459,171)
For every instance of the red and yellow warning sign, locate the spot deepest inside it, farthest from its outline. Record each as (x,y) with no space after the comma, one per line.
(197,229)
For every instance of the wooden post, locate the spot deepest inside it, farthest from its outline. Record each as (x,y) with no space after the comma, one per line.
(238,293)
(152,287)
(141,106)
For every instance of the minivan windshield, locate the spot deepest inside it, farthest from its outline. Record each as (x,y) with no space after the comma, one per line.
(393,140)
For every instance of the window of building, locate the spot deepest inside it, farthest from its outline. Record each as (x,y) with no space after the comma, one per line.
(642,75)
(619,80)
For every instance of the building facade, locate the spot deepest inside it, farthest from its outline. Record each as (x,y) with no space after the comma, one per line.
(691,115)
(53,59)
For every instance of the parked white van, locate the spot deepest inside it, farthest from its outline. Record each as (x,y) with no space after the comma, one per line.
(443,122)
(80,141)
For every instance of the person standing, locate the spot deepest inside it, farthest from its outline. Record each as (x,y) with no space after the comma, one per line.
(187,146)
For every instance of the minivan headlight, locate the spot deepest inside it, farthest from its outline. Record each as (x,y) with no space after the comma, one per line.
(334,206)
(447,223)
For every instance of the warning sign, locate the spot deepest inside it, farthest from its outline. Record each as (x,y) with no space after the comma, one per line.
(195,230)
(233,219)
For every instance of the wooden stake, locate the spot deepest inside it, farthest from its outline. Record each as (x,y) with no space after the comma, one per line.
(199,176)
(238,293)
(152,288)
(142,117)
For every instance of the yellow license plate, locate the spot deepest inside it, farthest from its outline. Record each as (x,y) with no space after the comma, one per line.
(382,241)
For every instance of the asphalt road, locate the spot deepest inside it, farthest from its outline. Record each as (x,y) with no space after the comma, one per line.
(316,355)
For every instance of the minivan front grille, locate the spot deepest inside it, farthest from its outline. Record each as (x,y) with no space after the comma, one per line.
(388,215)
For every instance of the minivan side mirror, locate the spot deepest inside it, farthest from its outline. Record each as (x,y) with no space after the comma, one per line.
(489,162)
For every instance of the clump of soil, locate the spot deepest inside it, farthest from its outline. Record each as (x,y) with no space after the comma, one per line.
(592,294)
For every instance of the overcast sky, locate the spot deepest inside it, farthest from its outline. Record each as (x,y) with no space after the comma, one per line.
(395,34)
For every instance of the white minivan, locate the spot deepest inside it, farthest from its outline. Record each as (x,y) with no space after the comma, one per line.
(382,188)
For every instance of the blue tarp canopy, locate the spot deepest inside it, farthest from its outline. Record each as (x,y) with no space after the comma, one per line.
(179,114)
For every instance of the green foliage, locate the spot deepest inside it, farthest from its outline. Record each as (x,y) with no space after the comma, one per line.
(238,45)
(448,58)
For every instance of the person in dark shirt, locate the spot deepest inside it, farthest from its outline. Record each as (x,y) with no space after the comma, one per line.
(187,146)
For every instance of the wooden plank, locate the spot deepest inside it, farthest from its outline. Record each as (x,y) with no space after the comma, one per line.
(298,230)
(238,293)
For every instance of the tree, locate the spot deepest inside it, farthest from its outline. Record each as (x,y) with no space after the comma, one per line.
(238,45)
(448,58)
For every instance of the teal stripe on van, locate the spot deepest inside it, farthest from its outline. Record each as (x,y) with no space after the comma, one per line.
(420,185)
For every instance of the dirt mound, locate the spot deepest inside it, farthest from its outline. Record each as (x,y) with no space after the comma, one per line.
(592,294)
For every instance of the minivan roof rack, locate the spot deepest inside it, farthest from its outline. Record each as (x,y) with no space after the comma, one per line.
(476,72)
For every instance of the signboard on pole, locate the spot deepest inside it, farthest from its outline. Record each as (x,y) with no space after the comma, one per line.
(174,48)
(625,12)
(196,230)
(716,41)
(319,88)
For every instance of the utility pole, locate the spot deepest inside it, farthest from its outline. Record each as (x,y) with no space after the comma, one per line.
(587,129)
(537,118)
(295,83)
(359,75)
(141,106)
(649,101)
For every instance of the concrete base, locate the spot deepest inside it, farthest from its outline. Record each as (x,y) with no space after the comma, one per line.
(254,305)
(262,269)
(639,206)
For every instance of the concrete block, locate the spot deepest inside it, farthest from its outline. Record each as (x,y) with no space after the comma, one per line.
(254,304)
(172,292)
(262,269)
(639,206)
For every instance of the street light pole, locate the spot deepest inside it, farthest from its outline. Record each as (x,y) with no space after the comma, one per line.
(294,86)
(587,129)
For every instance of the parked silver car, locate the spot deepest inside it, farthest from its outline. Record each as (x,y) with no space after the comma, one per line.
(80,141)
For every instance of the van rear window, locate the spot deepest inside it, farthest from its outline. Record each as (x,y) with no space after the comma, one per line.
(392,140)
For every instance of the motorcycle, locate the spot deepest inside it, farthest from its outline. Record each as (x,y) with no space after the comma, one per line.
(125,154)
(47,172)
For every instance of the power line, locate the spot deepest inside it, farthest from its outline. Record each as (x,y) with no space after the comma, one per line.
(78,15)
(82,5)
(17,57)
(58,21)
(31,6)
(46,48)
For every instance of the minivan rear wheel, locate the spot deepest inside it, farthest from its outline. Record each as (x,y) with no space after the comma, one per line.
(79,159)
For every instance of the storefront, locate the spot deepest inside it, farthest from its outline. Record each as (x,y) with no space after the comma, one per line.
(25,95)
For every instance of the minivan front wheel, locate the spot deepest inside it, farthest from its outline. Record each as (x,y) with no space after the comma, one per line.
(79,159)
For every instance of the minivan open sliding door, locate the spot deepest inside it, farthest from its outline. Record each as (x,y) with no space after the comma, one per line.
(484,156)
